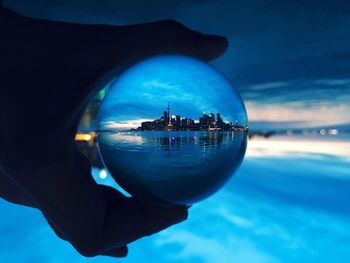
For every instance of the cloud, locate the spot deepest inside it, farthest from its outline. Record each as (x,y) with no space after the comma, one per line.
(269,85)
(111,125)
(279,51)
(317,114)
(255,218)
(210,250)
(235,219)
(144,91)
(304,91)
(299,148)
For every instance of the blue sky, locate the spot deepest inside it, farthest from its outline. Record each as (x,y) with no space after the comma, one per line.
(255,218)
(289,59)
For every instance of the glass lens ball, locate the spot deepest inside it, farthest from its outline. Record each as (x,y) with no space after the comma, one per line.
(172,130)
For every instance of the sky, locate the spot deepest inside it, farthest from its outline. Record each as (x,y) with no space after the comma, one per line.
(290,60)
(255,218)
(146,90)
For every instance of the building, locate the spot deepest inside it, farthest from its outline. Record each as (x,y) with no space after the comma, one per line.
(173,122)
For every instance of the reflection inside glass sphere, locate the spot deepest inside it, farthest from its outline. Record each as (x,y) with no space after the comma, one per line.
(172,130)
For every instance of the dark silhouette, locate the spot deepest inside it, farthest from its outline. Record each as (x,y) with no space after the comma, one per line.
(176,123)
(48,72)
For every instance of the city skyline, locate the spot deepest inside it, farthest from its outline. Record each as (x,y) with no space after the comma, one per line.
(143,92)
(174,122)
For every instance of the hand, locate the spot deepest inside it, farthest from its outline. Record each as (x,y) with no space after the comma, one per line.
(48,72)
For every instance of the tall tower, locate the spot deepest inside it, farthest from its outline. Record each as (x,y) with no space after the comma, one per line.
(168,109)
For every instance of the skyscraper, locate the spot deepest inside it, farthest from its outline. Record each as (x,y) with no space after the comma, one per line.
(219,121)
(168,112)
(211,117)
(165,117)
(178,119)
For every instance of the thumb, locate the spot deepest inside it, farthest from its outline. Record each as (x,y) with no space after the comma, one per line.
(129,219)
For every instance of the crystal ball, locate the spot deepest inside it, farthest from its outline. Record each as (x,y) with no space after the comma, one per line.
(172,130)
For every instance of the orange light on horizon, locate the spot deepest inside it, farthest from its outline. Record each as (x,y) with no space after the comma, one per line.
(85,136)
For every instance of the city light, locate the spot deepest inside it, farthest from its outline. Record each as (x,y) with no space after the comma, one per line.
(207,122)
(85,136)
(103,174)
(333,132)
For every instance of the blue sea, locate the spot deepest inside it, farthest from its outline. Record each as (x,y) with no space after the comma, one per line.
(181,167)
(288,202)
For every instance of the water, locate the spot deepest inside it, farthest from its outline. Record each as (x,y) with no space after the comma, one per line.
(181,167)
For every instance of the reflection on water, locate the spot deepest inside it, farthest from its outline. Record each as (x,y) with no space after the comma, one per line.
(177,166)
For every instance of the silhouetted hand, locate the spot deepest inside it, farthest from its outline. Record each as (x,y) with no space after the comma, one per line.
(48,72)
